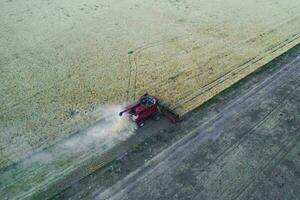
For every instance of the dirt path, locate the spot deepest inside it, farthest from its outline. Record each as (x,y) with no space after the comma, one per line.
(244,145)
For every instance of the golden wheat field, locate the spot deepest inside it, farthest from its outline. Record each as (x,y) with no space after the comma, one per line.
(61,60)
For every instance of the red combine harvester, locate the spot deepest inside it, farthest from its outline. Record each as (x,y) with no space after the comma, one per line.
(148,107)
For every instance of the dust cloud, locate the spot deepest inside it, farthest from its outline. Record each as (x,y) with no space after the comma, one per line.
(109,131)
(61,158)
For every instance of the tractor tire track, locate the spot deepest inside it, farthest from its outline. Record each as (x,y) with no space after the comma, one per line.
(219,80)
(245,136)
(275,165)
(133,65)
(288,142)
(278,158)
(285,150)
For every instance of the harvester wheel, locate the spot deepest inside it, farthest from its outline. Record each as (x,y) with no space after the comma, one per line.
(156,116)
(141,123)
